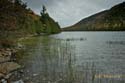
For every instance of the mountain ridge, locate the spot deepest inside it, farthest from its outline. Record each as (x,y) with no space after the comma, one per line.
(112,19)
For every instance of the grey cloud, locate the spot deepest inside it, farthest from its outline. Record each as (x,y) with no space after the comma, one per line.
(68,12)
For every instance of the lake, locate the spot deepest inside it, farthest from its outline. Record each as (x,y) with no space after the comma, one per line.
(75,57)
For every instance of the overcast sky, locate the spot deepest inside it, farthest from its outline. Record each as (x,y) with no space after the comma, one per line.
(68,12)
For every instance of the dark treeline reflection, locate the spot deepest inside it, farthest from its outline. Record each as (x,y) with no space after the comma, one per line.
(49,60)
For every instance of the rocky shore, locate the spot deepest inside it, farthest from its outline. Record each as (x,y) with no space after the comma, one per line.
(8,65)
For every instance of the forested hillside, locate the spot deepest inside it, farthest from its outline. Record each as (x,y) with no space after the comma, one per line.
(109,20)
(17,20)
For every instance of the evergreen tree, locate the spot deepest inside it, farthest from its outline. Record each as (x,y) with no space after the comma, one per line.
(43,18)
(44,10)
(18,2)
(49,25)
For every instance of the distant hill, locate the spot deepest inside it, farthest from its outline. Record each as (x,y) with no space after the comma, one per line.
(109,20)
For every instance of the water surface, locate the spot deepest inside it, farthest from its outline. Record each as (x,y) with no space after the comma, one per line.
(75,57)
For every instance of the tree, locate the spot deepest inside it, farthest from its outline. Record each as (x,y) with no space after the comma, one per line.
(18,2)
(44,11)
(49,25)
(43,18)
(24,5)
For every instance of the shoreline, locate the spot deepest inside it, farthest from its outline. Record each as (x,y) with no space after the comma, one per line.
(10,69)
(8,64)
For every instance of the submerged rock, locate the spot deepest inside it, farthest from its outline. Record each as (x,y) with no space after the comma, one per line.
(19,81)
(35,75)
(3,81)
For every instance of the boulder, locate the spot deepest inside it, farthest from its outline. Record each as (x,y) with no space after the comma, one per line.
(4,59)
(6,68)
(2,75)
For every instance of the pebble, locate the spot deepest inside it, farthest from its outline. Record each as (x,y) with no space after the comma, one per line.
(19,81)
(35,75)
(3,81)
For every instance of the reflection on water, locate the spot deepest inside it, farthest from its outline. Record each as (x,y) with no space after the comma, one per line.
(116,42)
(75,57)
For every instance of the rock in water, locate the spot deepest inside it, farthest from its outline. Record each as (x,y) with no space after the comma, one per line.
(3,81)
(19,81)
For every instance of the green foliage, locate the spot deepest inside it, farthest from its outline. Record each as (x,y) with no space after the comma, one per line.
(17,21)
(49,25)
(43,11)
(14,17)
(20,3)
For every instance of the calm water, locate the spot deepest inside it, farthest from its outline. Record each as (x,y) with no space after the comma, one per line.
(75,57)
